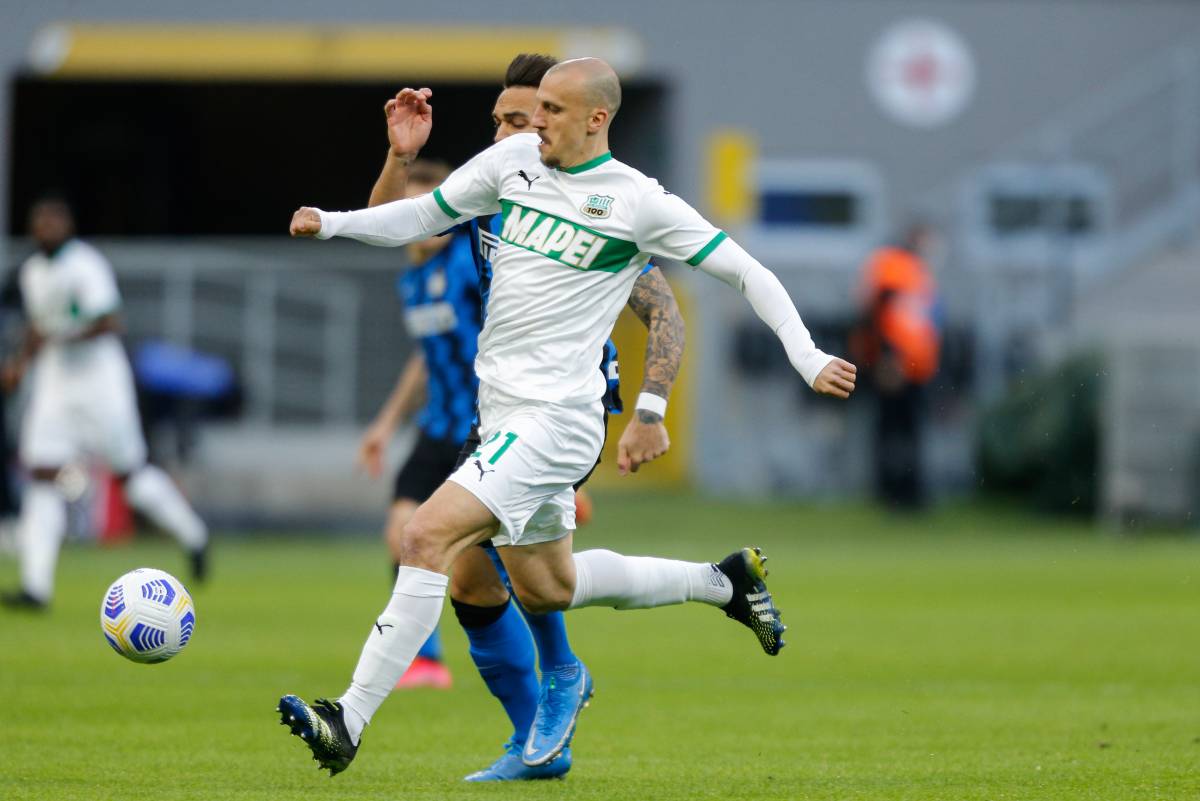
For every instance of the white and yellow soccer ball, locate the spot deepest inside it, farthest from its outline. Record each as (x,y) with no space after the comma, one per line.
(147,615)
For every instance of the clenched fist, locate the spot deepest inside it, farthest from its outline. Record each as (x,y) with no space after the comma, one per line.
(305,222)
(837,379)
(644,440)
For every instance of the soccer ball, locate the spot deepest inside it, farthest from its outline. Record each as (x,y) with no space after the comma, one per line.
(147,615)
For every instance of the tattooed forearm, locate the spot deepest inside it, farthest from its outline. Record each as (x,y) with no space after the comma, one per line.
(648,418)
(654,304)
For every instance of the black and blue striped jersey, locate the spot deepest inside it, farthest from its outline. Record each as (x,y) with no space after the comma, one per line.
(443,310)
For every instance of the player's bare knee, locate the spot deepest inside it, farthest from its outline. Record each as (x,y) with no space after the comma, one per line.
(477,593)
(543,600)
(423,545)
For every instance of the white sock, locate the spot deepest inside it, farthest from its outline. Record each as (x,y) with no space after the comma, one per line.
(154,494)
(407,621)
(604,578)
(43,523)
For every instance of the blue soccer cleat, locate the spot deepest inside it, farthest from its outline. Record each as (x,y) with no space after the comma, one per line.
(510,768)
(559,705)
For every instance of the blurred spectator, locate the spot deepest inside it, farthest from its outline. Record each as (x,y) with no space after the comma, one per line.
(898,342)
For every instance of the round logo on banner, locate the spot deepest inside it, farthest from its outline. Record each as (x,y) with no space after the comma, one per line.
(921,73)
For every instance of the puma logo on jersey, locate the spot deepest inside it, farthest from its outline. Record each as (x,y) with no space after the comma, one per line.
(482,472)
(525,177)
(382,626)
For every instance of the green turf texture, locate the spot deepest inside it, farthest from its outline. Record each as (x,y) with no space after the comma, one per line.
(973,654)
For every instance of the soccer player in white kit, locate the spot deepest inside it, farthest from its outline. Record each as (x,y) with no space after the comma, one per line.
(578,228)
(82,402)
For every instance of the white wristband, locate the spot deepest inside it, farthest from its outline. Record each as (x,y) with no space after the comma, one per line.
(652,403)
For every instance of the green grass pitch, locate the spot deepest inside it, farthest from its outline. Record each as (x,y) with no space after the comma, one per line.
(971,654)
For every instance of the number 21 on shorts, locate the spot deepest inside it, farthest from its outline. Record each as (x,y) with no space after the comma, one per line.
(509,439)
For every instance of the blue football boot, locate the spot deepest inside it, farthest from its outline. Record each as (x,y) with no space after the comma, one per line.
(510,768)
(559,704)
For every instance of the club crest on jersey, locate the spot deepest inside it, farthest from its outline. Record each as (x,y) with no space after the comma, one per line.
(598,206)
(435,284)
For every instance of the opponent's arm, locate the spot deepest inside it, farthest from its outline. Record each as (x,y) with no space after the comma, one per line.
(409,121)
(407,396)
(645,437)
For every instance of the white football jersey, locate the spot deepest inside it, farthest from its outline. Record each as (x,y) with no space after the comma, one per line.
(64,294)
(572,243)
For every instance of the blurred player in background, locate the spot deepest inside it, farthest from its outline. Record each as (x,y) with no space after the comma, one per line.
(578,227)
(82,402)
(501,644)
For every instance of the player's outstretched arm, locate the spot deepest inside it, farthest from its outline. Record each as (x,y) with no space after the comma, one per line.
(645,437)
(409,121)
(470,191)
(390,225)
(827,375)
(669,227)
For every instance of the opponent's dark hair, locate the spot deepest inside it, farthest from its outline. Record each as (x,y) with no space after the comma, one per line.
(430,172)
(528,69)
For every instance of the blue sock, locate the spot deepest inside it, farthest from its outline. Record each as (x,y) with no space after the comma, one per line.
(432,649)
(503,651)
(549,631)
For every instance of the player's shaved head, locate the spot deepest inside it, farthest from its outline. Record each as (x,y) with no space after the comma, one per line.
(576,102)
(597,80)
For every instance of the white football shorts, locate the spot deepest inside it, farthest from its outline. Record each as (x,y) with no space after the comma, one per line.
(530,457)
(90,409)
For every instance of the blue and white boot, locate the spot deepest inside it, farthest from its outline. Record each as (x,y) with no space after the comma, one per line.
(510,768)
(563,696)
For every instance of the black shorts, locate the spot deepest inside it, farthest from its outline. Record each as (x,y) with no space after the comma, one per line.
(473,441)
(431,460)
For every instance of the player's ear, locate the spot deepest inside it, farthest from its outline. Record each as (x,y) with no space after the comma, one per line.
(598,119)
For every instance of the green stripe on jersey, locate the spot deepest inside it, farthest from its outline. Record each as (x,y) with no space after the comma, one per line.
(709,248)
(565,242)
(444,206)
(587,165)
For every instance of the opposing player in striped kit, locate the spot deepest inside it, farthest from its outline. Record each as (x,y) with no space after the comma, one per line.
(578,227)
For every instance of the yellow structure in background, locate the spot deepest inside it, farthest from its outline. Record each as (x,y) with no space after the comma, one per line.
(671,470)
(282,52)
(731,192)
